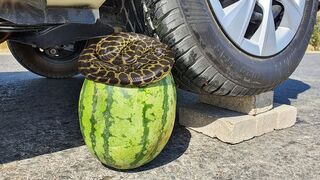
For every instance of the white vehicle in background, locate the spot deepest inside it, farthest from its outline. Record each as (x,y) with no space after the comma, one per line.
(222,47)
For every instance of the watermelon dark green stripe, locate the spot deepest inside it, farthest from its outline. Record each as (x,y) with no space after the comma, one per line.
(81,106)
(93,119)
(165,107)
(87,113)
(144,139)
(108,123)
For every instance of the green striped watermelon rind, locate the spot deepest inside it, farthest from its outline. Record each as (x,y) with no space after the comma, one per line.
(126,128)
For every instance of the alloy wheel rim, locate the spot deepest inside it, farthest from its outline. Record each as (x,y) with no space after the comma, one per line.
(259,27)
(62,53)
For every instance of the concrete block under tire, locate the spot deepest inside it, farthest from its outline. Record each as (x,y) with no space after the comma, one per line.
(251,105)
(233,127)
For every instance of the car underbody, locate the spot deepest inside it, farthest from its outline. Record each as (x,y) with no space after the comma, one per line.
(40,23)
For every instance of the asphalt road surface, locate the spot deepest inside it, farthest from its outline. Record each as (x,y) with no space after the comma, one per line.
(40,137)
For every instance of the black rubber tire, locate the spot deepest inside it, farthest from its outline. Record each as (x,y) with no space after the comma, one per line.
(44,66)
(133,16)
(206,60)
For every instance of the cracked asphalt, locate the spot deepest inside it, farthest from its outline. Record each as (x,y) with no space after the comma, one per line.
(40,137)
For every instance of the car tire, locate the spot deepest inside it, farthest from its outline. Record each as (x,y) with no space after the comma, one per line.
(207,60)
(42,63)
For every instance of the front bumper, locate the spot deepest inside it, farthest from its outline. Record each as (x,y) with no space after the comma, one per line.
(35,12)
(93,4)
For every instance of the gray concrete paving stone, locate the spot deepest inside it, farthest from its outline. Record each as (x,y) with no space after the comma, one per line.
(233,127)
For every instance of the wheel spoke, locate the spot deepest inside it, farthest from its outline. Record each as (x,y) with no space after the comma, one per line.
(235,18)
(266,34)
(284,36)
(293,12)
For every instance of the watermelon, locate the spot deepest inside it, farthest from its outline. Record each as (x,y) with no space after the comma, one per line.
(126,128)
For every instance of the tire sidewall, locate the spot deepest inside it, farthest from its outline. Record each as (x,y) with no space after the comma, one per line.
(240,67)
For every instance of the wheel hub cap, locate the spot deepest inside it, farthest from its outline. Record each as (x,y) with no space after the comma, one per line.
(259,27)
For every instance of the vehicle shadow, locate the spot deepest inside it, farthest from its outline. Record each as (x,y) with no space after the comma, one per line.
(289,91)
(39,116)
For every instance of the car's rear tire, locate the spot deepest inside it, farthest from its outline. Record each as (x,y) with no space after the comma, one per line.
(207,60)
(58,62)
